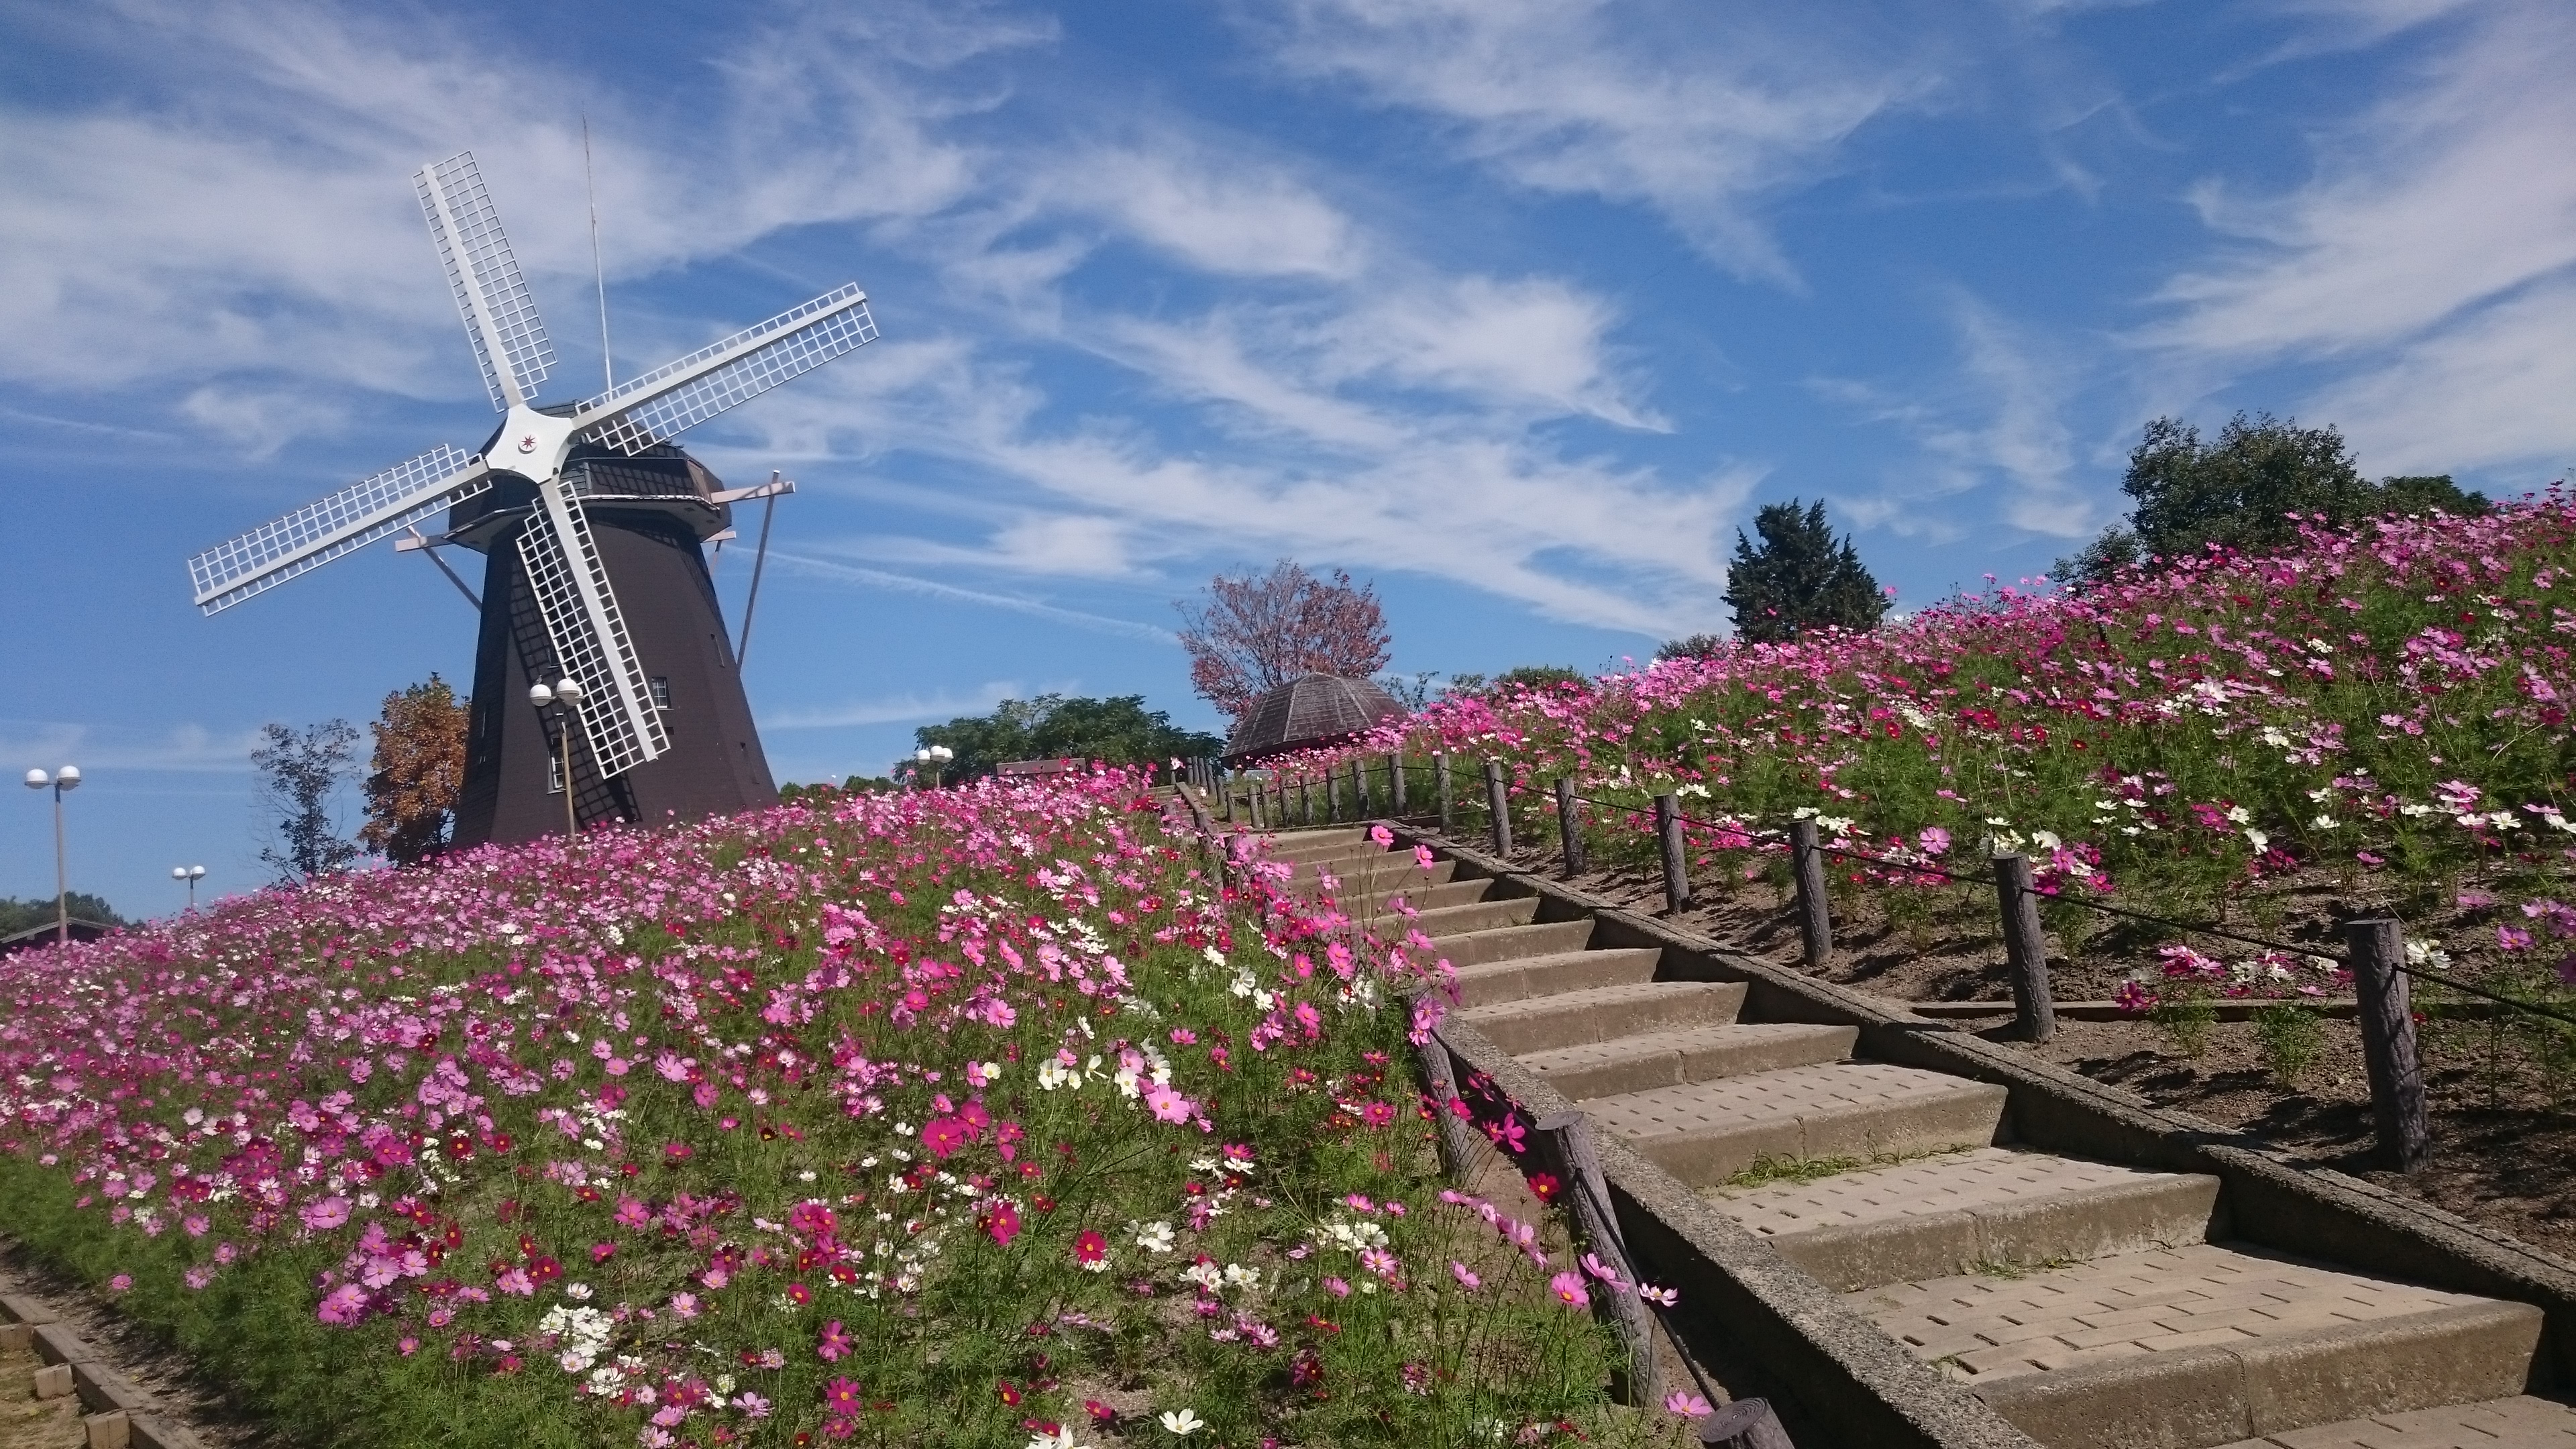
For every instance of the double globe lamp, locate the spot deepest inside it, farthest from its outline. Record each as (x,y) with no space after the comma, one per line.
(566,693)
(62,782)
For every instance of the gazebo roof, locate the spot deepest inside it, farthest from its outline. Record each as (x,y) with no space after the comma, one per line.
(1316,710)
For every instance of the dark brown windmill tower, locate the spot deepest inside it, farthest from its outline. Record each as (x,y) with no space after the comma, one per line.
(562,500)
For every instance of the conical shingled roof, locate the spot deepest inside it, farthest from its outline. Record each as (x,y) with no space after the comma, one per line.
(1316,710)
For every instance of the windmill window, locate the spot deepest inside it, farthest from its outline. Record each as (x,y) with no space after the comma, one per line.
(554,774)
(661,691)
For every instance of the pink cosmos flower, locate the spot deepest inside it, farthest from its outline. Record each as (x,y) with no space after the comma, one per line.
(1168,1105)
(943,1135)
(1598,1269)
(835,1344)
(684,1305)
(1337,1287)
(1465,1276)
(342,1305)
(1090,1249)
(1686,1404)
(1569,1290)
(1377,1114)
(514,1280)
(1003,1222)
(120,1282)
(325,1214)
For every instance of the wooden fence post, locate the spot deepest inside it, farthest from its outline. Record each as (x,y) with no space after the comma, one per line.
(1306,798)
(1359,787)
(1815,908)
(1498,801)
(1395,785)
(2378,948)
(1260,804)
(2025,949)
(1569,827)
(1458,1141)
(1744,1424)
(1565,1143)
(1668,836)
(1448,807)
(1227,806)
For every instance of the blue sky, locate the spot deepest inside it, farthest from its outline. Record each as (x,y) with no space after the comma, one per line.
(1518,309)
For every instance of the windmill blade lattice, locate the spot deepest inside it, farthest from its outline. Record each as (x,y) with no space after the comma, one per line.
(500,318)
(618,719)
(343,523)
(677,396)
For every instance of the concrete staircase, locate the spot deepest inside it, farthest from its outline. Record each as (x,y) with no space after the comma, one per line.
(2089,1304)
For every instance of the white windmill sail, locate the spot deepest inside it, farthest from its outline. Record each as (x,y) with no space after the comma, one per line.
(677,396)
(619,722)
(325,529)
(500,318)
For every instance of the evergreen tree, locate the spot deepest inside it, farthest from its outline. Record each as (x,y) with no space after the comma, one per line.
(1799,578)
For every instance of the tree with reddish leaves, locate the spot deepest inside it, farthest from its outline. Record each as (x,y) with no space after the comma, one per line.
(419,766)
(1252,634)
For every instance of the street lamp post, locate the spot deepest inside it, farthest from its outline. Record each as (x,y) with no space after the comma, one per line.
(62,782)
(937,757)
(566,695)
(191,874)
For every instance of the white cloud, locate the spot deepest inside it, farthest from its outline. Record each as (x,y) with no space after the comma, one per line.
(893,709)
(1998,417)
(102,750)
(2456,189)
(2490,391)
(1695,111)
(1215,213)
(905,584)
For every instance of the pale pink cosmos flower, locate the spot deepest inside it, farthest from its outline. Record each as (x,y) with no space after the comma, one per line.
(1466,1277)
(1168,1105)
(342,1305)
(1687,1404)
(324,1215)
(1569,1290)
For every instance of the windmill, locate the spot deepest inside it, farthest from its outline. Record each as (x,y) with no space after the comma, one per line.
(561,500)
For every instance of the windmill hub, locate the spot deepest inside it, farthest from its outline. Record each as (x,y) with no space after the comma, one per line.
(531,444)
(663,727)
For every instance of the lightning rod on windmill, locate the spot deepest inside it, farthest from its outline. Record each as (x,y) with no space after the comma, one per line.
(592,524)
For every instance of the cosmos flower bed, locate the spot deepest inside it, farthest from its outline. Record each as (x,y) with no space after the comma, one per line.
(959,1117)
(2384,710)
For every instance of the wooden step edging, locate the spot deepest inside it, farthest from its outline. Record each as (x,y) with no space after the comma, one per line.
(2314,1212)
(121,1412)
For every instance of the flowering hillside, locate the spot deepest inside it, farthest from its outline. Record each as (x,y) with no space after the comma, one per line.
(967,1117)
(2385,710)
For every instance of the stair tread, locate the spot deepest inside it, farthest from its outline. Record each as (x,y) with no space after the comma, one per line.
(1983,1328)
(2520,1422)
(1622,954)
(1679,1039)
(1564,1002)
(1983,1177)
(1762,1097)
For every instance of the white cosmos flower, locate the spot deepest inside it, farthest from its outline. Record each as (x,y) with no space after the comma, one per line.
(1184,1421)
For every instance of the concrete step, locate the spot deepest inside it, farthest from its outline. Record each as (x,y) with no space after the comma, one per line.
(1477,916)
(1497,982)
(1601,1013)
(1386,870)
(1374,901)
(2209,1344)
(2521,1422)
(1687,1054)
(1948,1214)
(1512,943)
(1320,844)
(1707,1131)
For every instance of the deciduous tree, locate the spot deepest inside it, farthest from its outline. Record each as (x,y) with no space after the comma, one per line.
(1119,731)
(1254,633)
(2240,489)
(418,767)
(298,772)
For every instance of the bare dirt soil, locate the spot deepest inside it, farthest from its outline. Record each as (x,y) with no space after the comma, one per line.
(28,1422)
(161,1371)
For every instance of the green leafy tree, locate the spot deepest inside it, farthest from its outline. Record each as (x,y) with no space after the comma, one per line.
(1697,646)
(2239,489)
(1540,676)
(1799,578)
(1120,731)
(298,773)
(16,916)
